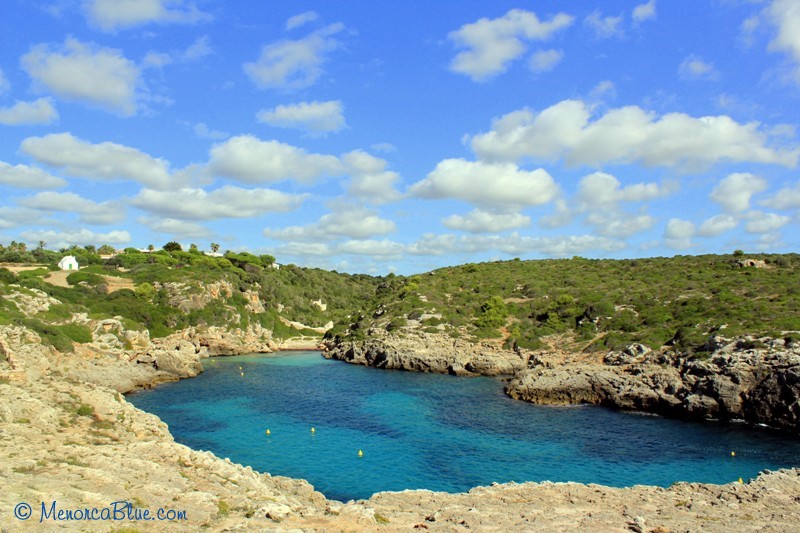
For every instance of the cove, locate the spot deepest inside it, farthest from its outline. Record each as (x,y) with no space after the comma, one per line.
(437,432)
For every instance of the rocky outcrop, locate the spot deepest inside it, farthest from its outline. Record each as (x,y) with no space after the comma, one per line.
(427,352)
(760,385)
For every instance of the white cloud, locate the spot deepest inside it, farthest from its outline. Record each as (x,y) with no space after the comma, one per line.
(80,237)
(734,192)
(370,181)
(226,202)
(487,184)
(626,135)
(603,191)
(294,64)
(301,19)
(88,212)
(545,60)
(197,50)
(758,222)
(717,225)
(785,16)
(251,160)
(373,248)
(644,12)
(39,111)
(85,73)
(786,198)
(11,217)
(26,177)
(110,15)
(316,117)
(345,221)
(679,233)
(620,226)
(480,221)
(103,161)
(493,43)
(604,27)
(178,228)
(696,68)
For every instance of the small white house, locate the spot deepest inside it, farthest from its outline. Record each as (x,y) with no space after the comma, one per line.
(68,262)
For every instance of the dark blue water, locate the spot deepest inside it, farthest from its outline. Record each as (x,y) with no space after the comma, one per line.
(436,432)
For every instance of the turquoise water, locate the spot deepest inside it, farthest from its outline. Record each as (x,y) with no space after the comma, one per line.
(436,432)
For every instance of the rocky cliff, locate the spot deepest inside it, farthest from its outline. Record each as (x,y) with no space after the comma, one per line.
(757,381)
(427,352)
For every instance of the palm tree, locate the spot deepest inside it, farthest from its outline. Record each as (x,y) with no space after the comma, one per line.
(214,247)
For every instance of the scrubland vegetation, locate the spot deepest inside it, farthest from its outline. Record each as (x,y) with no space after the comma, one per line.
(607,304)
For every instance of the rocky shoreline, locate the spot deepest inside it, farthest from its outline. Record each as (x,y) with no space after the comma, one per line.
(69,435)
(742,379)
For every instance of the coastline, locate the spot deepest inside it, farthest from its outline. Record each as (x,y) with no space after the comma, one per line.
(133,457)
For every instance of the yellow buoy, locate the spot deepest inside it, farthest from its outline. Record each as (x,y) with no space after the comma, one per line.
(733,454)
(360,453)
(313,430)
(240,368)
(268,433)
(241,374)
(740,480)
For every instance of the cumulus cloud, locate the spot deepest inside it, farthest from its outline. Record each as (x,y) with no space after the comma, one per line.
(315,117)
(480,221)
(785,16)
(717,225)
(734,192)
(545,60)
(88,212)
(679,233)
(626,135)
(491,44)
(103,161)
(250,160)
(696,68)
(785,198)
(644,12)
(80,237)
(494,185)
(345,221)
(383,247)
(369,179)
(85,73)
(293,64)
(759,222)
(226,202)
(111,15)
(199,49)
(604,27)
(39,111)
(603,191)
(26,177)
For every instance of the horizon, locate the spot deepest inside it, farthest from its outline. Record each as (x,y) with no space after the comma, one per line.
(373,139)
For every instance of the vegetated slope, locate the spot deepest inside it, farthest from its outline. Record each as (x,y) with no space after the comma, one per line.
(607,304)
(173,291)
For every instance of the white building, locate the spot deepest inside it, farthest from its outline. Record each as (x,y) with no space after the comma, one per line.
(68,262)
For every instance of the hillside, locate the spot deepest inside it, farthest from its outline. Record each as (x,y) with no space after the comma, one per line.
(601,305)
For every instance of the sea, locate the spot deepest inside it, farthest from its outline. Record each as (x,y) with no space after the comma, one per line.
(352,431)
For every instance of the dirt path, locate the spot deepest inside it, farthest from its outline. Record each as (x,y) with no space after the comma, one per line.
(59,279)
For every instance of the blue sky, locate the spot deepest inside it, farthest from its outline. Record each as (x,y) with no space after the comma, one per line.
(373,137)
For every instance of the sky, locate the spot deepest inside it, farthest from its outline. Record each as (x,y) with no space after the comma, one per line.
(381,137)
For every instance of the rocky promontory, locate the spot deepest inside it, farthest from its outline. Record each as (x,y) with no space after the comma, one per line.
(424,352)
